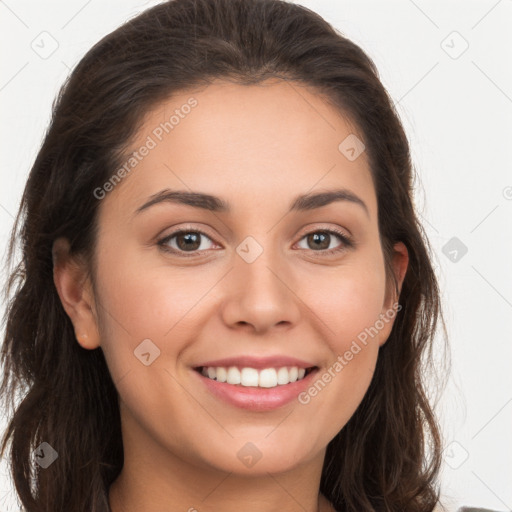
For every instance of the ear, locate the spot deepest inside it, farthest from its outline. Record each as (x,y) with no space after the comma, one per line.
(76,293)
(391,307)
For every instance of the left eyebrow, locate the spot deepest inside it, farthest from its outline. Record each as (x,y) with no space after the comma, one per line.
(312,201)
(216,204)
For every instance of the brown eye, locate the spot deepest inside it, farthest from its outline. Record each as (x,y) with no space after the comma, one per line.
(188,241)
(184,241)
(321,240)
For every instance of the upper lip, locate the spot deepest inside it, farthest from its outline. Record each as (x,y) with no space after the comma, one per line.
(258,362)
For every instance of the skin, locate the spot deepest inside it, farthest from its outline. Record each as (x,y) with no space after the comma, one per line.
(256,147)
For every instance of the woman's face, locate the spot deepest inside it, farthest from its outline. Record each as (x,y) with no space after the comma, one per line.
(185,282)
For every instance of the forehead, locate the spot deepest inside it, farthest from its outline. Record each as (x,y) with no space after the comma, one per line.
(273,140)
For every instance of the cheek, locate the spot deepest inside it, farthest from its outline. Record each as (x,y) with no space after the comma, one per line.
(349,302)
(142,301)
(132,309)
(348,299)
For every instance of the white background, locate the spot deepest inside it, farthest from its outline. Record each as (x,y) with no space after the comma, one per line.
(457,113)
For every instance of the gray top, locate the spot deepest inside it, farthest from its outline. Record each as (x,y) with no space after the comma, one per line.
(473,509)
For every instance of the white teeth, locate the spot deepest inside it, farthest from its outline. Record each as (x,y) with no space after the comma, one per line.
(282,376)
(249,377)
(221,374)
(266,378)
(233,376)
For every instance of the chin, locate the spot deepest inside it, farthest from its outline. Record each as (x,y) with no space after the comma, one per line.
(257,458)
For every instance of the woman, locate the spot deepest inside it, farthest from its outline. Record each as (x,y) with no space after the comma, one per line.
(225,299)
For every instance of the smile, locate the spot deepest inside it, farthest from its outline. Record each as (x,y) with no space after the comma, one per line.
(242,388)
(252,377)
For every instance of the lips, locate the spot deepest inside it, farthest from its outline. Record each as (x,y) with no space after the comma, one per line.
(248,396)
(254,398)
(259,363)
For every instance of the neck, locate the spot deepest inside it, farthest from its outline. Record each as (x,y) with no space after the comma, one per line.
(123,498)
(154,478)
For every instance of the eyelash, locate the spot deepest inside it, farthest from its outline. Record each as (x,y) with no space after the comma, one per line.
(347,243)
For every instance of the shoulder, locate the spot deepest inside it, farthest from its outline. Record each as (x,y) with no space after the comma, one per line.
(441,508)
(475,509)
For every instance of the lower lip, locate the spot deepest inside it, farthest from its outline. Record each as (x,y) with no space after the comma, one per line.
(257,399)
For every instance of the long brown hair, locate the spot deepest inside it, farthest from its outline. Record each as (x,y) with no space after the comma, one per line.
(387,457)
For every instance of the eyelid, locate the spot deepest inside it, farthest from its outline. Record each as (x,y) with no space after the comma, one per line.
(319,227)
(162,241)
(347,241)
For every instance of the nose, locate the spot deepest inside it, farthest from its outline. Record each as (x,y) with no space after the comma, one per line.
(260,295)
